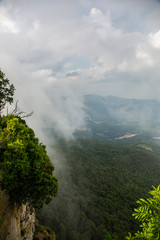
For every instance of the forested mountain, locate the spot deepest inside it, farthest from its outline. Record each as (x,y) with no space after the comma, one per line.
(98,188)
(110,119)
(116,109)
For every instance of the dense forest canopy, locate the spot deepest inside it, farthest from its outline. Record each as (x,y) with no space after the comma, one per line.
(98,189)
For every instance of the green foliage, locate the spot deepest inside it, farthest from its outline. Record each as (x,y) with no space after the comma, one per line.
(6,91)
(111,237)
(26,167)
(98,189)
(149,214)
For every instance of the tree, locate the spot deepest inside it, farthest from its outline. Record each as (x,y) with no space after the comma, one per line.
(6,91)
(149,214)
(26,167)
(111,237)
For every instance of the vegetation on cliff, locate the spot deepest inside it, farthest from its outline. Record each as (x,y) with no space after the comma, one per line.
(26,170)
(43,232)
(26,167)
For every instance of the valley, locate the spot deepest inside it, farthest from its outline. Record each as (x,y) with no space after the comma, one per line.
(109,165)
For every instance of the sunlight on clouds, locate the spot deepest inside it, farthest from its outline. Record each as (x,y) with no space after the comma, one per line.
(144,57)
(155,39)
(141,61)
(96,12)
(36,25)
(43,76)
(141,58)
(43,73)
(6,24)
(52,79)
(123,66)
(97,17)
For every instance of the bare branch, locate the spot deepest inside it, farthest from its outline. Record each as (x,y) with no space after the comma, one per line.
(19,113)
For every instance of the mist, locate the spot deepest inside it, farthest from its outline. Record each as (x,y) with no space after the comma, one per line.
(58,52)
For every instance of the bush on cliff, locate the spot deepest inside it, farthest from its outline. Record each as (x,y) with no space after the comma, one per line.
(26,167)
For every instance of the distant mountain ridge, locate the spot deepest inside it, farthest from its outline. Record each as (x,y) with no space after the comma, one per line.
(112,118)
(117,109)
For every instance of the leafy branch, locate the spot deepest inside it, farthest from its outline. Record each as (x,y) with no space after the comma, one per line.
(149,214)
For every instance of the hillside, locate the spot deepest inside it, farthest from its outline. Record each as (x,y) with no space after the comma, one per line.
(111,119)
(112,108)
(99,185)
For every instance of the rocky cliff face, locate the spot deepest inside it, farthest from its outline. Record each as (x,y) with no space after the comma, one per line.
(16,222)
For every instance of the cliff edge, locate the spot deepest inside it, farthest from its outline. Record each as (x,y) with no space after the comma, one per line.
(16,222)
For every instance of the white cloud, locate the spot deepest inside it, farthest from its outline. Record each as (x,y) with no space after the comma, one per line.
(155,39)
(144,58)
(100,19)
(36,25)
(6,23)
(97,43)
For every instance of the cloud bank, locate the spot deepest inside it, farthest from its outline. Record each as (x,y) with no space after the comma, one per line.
(56,51)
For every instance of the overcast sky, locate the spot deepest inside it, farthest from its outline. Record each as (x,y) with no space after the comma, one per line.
(56,51)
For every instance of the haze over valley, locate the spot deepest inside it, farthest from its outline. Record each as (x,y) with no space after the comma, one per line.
(105,168)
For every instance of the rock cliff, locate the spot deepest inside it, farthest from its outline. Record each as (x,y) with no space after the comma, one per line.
(16,222)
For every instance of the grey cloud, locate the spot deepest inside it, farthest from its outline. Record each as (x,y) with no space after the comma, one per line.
(132,15)
(109,37)
(72,74)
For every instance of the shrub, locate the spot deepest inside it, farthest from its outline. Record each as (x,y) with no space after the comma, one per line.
(26,167)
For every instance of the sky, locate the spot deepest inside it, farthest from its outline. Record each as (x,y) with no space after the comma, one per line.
(54,52)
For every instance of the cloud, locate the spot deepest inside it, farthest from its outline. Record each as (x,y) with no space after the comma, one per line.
(99,19)
(6,23)
(58,51)
(155,39)
(72,74)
